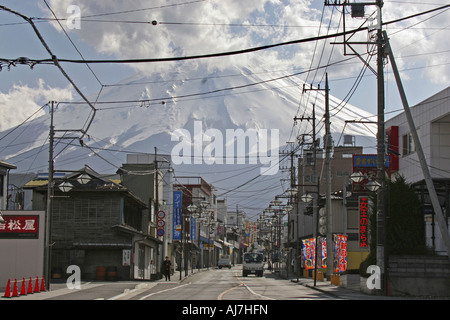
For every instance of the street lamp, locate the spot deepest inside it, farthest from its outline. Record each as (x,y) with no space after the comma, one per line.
(84,178)
(306,197)
(373,186)
(357,177)
(192,208)
(292,191)
(65,186)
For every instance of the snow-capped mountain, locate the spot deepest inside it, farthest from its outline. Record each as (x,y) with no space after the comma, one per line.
(145,111)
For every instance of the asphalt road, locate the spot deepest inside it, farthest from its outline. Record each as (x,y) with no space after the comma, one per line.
(225,284)
(205,285)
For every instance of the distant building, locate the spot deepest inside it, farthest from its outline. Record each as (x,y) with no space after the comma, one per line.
(344,205)
(199,227)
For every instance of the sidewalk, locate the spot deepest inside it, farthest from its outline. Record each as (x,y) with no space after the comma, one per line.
(351,292)
(127,288)
(337,291)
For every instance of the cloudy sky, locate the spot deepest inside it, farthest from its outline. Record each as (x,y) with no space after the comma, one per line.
(123,30)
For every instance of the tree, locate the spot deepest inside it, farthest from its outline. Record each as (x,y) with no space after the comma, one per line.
(405,221)
(405,226)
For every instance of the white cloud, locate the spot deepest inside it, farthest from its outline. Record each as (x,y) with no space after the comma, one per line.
(206,27)
(22,101)
(201,27)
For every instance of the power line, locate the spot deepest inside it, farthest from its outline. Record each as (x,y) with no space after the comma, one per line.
(55,61)
(73,44)
(221,54)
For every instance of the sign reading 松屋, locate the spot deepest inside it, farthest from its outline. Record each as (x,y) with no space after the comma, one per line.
(20,227)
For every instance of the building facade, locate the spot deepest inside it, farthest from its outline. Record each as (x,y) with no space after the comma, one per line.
(199,246)
(97,225)
(432,123)
(304,220)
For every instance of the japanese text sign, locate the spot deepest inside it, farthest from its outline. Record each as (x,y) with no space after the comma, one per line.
(20,226)
(363,221)
(177,206)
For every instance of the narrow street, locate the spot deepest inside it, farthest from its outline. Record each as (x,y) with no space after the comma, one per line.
(205,285)
(228,284)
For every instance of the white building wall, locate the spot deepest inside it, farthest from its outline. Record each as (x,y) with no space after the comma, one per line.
(432,121)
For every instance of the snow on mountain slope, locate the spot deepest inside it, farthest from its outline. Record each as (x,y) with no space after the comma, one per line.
(143,111)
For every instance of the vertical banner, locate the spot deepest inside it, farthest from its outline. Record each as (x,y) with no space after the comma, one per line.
(340,253)
(193,223)
(323,261)
(363,221)
(177,206)
(309,256)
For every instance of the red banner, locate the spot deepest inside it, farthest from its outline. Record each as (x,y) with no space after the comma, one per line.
(20,226)
(363,222)
(309,253)
(340,253)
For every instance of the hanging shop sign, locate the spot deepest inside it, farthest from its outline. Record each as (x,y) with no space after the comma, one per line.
(363,203)
(193,230)
(340,253)
(308,250)
(177,206)
(20,227)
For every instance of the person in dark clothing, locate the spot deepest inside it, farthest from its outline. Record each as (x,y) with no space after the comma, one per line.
(167,268)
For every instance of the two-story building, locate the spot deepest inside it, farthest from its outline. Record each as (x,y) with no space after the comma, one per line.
(432,122)
(96,224)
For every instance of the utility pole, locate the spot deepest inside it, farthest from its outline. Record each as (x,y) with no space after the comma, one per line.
(328,213)
(381,212)
(358,11)
(156,183)
(316,193)
(292,183)
(328,146)
(48,213)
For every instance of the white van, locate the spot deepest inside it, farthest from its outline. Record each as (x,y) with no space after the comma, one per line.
(224,262)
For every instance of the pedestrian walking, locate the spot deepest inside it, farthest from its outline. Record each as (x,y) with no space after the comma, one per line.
(167,264)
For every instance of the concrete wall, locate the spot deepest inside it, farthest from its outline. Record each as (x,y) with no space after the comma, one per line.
(22,258)
(419,276)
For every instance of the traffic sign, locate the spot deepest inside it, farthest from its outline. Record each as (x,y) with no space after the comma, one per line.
(161,214)
(160,223)
(160,232)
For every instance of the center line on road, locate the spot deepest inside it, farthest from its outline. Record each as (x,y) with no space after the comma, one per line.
(220,297)
(151,294)
(247,287)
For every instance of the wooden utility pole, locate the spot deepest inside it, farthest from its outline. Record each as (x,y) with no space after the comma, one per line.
(48,212)
(358,11)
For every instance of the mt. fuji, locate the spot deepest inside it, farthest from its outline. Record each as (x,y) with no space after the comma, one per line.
(143,111)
